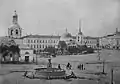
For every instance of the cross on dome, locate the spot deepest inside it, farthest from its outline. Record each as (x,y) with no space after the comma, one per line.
(66,29)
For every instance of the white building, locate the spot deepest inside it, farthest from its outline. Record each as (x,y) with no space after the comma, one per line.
(15,33)
(40,42)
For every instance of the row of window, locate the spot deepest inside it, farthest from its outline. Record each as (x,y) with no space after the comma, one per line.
(87,41)
(40,46)
(41,41)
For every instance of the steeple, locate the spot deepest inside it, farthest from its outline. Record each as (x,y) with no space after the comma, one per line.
(116,30)
(15,18)
(80,32)
(66,30)
(15,31)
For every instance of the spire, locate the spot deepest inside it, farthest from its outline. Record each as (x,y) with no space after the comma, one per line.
(66,29)
(80,32)
(116,30)
(15,17)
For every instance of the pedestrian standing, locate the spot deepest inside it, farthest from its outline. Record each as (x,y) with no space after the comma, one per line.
(82,66)
(59,67)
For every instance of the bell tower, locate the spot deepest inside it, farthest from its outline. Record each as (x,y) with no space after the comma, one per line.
(79,37)
(15,18)
(15,31)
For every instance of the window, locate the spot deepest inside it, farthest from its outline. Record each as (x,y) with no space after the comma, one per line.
(34,41)
(11,32)
(37,46)
(31,46)
(37,41)
(16,31)
(40,41)
(43,41)
(78,37)
(34,46)
(28,41)
(46,41)
(43,46)
(31,41)
(40,46)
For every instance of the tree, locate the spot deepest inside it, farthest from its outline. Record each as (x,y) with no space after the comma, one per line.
(72,49)
(14,49)
(90,50)
(50,49)
(62,46)
(82,48)
(5,49)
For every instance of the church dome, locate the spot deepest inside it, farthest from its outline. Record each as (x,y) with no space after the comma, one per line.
(65,36)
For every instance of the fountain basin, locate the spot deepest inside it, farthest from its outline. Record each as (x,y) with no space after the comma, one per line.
(49,72)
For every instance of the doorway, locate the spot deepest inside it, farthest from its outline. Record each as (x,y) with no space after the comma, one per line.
(26,58)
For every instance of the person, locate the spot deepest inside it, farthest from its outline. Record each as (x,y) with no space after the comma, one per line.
(72,74)
(82,66)
(68,66)
(59,67)
(25,74)
(79,66)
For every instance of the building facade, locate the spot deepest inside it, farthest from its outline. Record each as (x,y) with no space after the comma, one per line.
(40,42)
(15,33)
(81,39)
(111,41)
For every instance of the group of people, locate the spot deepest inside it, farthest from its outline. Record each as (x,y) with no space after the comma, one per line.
(81,67)
(68,66)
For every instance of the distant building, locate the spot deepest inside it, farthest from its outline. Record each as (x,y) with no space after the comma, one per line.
(40,42)
(81,39)
(111,41)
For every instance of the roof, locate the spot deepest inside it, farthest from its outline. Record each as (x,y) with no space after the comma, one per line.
(80,33)
(40,36)
(66,35)
(88,37)
(74,37)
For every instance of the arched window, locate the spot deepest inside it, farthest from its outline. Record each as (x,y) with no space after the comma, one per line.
(26,52)
(11,32)
(16,31)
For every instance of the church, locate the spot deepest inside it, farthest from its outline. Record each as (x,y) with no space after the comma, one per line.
(15,34)
(30,43)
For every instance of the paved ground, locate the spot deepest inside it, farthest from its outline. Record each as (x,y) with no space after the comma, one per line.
(112,56)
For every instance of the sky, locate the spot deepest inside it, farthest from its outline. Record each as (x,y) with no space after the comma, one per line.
(52,17)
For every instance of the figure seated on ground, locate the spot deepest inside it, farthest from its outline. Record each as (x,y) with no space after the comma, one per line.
(72,74)
(25,74)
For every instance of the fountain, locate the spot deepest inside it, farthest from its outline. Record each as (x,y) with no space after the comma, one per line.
(48,72)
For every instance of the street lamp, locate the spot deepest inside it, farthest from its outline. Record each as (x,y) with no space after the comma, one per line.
(98,49)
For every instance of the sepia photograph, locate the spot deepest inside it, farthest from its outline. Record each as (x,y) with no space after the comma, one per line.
(59,41)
